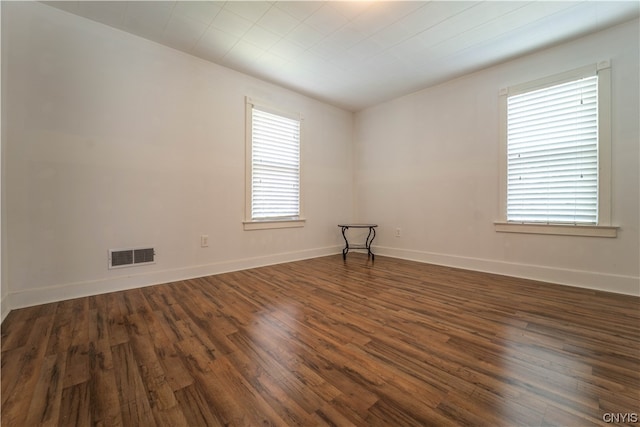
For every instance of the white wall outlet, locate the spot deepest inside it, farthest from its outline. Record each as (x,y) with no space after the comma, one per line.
(398,232)
(204,241)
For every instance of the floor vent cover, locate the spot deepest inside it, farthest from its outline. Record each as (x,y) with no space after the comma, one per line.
(129,257)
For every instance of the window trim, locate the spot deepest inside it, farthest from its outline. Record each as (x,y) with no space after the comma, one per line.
(268,223)
(604,228)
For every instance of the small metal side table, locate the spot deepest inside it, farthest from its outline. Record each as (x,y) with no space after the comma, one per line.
(367,243)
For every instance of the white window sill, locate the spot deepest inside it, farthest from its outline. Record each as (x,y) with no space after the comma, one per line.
(557,229)
(273,223)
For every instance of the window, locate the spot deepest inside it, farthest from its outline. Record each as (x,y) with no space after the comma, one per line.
(273,168)
(556,153)
(552,154)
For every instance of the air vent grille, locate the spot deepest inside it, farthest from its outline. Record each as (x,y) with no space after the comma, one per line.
(129,257)
(143,256)
(121,258)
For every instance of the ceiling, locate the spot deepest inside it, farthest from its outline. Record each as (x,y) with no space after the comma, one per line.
(355,54)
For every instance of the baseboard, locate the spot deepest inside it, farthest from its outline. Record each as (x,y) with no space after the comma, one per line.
(82,289)
(628,285)
(4,308)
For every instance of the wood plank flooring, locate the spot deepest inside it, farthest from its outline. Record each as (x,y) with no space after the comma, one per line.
(327,342)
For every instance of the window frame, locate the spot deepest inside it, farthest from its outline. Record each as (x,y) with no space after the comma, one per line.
(603,228)
(249,222)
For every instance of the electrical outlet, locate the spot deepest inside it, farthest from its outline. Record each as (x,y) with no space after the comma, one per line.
(204,241)
(398,232)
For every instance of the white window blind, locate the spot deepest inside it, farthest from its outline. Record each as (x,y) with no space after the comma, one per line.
(275,166)
(552,154)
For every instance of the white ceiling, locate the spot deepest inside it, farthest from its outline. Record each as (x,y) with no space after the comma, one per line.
(355,54)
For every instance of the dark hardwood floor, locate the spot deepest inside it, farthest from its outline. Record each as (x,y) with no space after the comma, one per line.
(327,342)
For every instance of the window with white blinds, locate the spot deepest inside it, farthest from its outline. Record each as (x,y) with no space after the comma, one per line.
(275,166)
(552,154)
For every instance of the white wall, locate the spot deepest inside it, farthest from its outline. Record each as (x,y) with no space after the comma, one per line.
(113,141)
(428,164)
(4,290)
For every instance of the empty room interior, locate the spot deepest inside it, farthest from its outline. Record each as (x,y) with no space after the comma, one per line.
(344,213)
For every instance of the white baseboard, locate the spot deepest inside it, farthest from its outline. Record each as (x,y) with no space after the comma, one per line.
(4,308)
(82,289)
(628,285)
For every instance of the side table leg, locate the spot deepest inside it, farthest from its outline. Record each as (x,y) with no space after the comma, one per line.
(346,244)
(372,234)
